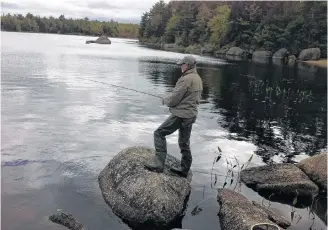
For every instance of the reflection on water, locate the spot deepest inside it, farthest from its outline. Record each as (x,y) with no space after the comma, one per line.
(59,131)
(283,114)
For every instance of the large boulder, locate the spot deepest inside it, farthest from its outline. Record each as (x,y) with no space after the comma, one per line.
(310,54)
(278,62)
(141,197)
(237,213)
(283,182)
(280,54)
(261,54)
(236,51)
(103,40)
(316,169)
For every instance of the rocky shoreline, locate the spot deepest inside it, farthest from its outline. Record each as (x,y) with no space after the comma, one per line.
(280,57)
(150,200)
(301,185)
(304,180)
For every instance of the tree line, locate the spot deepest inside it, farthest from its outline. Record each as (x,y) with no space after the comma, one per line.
(62,25)
(251,25)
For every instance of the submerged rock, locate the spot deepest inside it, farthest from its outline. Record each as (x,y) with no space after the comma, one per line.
(237,213)
(280,181)
(316,169)
(140,197)
(310,54)
(66,220)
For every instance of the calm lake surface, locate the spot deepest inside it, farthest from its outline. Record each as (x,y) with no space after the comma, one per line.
(59,129)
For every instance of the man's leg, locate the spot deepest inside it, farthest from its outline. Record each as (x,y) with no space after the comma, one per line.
(170,125)
(184,144)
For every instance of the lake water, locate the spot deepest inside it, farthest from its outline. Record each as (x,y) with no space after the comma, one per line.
(59,129)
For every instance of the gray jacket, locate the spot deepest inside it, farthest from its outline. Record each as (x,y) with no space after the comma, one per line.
(184,100)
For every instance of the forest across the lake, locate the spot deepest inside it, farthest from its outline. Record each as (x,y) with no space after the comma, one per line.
(63,25)
(250,25)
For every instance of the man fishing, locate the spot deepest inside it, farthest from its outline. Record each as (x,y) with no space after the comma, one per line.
(183,103)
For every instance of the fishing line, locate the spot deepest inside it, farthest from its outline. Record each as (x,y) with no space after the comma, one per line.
(122,87)
(138,91)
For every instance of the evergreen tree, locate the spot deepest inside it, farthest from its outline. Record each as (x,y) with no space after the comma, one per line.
(252,25)
(62,25)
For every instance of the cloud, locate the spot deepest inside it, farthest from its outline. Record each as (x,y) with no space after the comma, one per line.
(122,5)
(102,5)
(120,10)
(7,5)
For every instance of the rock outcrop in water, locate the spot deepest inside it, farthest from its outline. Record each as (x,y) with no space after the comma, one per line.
(281,181)
(66,220)
(316,169)
(140,197)
(101,40)
(237,213)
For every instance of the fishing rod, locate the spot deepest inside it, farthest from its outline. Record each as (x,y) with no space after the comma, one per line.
(122,87)
(138,91)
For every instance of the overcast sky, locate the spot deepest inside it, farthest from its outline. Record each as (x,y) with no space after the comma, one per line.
(119,10)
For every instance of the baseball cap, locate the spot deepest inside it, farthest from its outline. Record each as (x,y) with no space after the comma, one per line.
(189,60)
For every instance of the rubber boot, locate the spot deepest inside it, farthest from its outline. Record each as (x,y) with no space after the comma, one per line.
(157,165)
(183,172)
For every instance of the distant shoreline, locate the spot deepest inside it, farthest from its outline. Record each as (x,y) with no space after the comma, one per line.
(76,34)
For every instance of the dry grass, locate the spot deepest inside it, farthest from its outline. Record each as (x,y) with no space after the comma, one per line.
(321,63)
